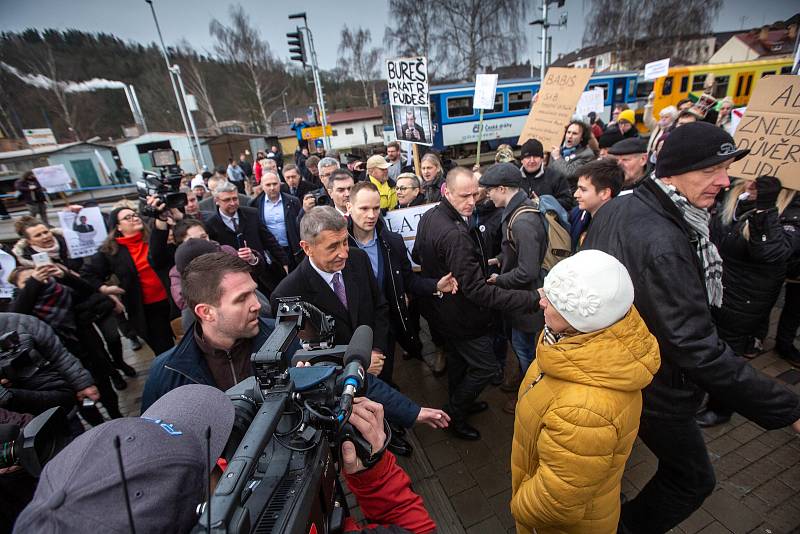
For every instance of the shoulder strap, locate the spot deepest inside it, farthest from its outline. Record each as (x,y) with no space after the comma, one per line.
(519,211)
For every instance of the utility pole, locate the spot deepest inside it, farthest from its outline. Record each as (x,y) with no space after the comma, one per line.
(299,48)
(194,144)
(176,70)
(545,25)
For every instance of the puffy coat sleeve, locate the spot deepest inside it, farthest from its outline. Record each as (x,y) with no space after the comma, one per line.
(531,242)
(768,242)
(576,451)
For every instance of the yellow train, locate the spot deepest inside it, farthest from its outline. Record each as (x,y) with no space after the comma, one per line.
(736,80)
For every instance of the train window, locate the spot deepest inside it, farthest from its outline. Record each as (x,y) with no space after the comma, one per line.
(698,81)
(721,86)
(605,89)
(667,88)
(749,84)
(643,89)
(619,92)
(739,85)
(498,104)
(631,88)
(684,84)
(460,107)
(434,111)
(786,70)
(519,100)
(768,73)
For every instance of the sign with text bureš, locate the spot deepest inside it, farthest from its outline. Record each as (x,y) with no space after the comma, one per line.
(770,128)
(408,95)
(559,93)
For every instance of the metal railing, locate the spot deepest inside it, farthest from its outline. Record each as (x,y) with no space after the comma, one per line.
(90,190)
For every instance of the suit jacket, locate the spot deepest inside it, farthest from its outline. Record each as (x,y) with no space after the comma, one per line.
(257,237)
(291,212)
(302,188)
(365,303)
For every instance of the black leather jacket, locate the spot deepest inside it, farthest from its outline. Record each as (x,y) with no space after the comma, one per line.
(647,233)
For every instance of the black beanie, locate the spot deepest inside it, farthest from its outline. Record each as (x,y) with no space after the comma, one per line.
(532,147)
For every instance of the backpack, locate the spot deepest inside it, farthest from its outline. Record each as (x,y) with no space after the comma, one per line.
(559,242)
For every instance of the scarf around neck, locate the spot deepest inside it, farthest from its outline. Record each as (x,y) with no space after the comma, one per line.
(53,251)
(698,219)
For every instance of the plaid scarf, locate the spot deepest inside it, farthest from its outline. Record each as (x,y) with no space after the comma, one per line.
(551,338)
(54,307)
(698,219)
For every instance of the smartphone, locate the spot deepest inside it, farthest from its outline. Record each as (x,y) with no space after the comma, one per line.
(41,258)
(88,403)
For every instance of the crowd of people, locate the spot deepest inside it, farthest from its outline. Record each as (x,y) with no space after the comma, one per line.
(630,278)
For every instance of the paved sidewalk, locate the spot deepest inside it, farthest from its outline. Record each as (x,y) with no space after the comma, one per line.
(467,485)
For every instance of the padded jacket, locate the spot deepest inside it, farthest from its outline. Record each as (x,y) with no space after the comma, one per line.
(646,232)
(577,418)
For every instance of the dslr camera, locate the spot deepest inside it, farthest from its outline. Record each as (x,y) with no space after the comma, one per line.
(16,362)
(164,184)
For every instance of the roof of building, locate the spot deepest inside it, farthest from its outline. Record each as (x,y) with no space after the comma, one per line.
(354,115)
(776,42)
(44,150)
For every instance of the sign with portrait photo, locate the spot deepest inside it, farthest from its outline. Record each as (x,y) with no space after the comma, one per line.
(7,264)
(84,231)
(413,124)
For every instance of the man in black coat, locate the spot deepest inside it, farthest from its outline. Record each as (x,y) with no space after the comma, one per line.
(541,180)
(660,233)
(239,227)
(295,185)
(391,267)
(278,213)
(446,242)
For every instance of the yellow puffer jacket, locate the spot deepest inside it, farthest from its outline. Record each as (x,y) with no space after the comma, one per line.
(576,420)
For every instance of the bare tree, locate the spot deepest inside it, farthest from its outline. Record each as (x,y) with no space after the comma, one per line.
(196,82)
(357,57)
(413,31)
(240,44)
(646,30)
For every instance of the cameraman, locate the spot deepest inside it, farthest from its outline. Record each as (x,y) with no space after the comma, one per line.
(16,484)
(46,374)
(141,258)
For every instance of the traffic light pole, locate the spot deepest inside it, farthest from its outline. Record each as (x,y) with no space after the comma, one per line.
(317,80)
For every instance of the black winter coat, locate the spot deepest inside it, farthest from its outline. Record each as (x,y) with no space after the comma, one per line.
(444,244)
(521,264)
(646,232)
(489,219)
(753,273)
(398,279)
(102,265)
(551,182)
(60,374)
(432,191)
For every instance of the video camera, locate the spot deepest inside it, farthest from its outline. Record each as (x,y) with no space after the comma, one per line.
(289,426)
(165,184)
(37,443)
(16,362)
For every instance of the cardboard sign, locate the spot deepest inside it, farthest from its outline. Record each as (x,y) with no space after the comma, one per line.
(408,81)
(485,88)
(656,69)
(7,264)
(559,93)
(413,124)
(84,232)
(771,130)
(593,100)
(404,221)
(53,178)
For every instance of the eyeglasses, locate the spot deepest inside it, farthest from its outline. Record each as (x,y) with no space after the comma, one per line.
(130,217)
(404,188)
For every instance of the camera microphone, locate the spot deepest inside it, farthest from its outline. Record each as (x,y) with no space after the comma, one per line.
(356,361)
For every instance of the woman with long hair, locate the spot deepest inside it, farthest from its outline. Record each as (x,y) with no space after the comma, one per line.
(432,172)
(136,255)
(755,247)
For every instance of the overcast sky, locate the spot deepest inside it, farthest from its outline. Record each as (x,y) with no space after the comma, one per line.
(132,20)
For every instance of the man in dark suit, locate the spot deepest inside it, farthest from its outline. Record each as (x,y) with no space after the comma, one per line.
(338,280)
(278,213)
(295,185)
(239,227)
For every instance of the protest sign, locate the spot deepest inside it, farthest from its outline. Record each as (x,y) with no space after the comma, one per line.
(656,69)
(485,88)
(590,101)
(53,178)
(84,231)
(7,264)
(408,96)
(771,130)
(736,117)
(558,95)
(404,221)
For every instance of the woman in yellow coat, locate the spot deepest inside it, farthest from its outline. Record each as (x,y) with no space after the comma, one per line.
(579,405)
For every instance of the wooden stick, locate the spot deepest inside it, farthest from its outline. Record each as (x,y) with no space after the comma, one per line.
(480,137)
(416,159)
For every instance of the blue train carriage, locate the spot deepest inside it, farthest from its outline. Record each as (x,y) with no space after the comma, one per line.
(455,123)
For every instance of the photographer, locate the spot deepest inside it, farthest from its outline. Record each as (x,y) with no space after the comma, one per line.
(140,257)
(48,375)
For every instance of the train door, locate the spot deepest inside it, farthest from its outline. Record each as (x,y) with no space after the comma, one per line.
(744,86)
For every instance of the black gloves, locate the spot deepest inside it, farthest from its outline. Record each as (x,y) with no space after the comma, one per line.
(767,190)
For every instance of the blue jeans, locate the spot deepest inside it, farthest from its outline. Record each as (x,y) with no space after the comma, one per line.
(524,344)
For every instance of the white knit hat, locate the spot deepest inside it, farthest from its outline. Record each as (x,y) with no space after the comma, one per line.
(592,290)
(198,181)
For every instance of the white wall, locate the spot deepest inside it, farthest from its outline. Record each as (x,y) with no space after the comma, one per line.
(732,51)
(343,140)
(129,153)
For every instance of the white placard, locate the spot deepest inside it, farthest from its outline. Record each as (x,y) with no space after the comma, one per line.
(593,100)
(102,163)
(408,81)
(736,117)
(656,69)
(404,221)
(40,137)
(84,231)
(485,88)
(53,178)
(7,264)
